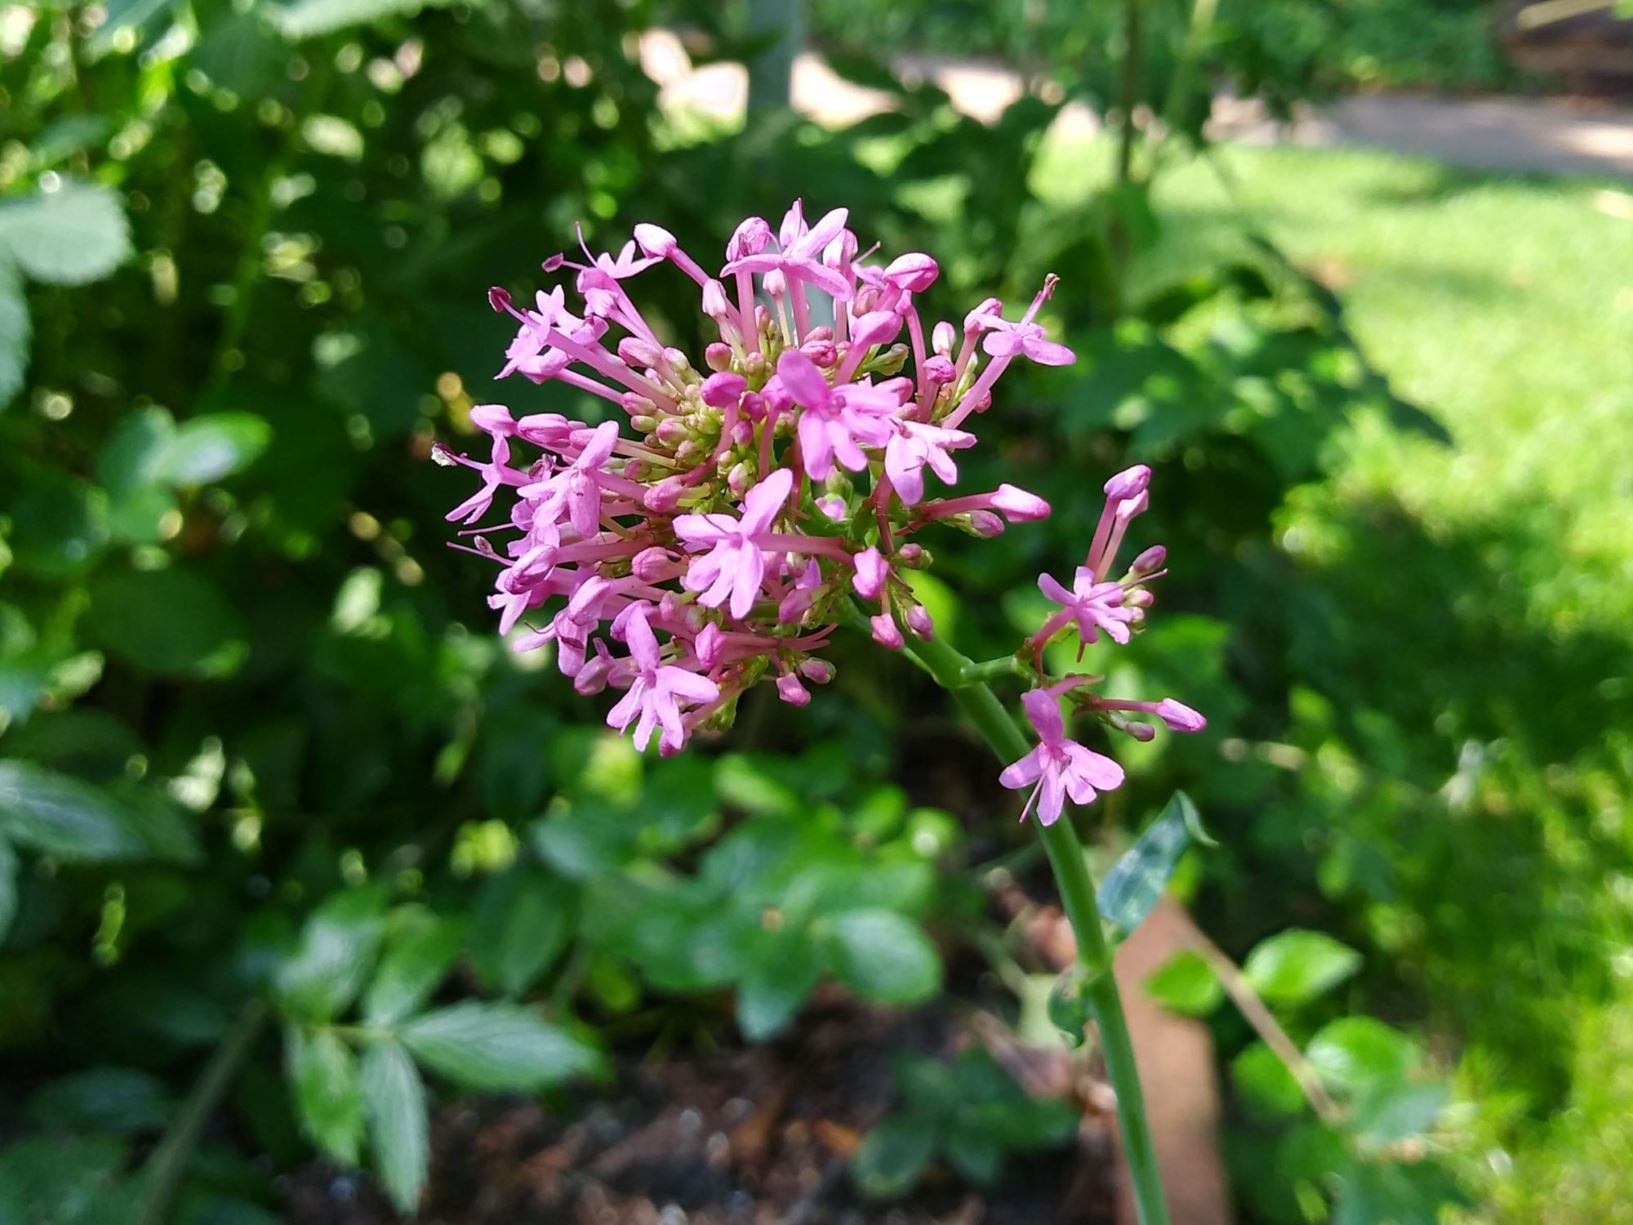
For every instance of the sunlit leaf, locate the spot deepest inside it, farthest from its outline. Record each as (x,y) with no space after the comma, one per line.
(499,1048)
(1185,983)
(394,1105)
(335,954)
(69,236)
(63,816)
(323,1073)
(14,332)
(1298,965)
(883,956)
(1137,880)
(211,447)
(419,950)
(310,18)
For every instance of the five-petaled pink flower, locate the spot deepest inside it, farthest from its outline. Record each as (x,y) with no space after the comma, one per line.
(1059,766)
(1092,606)
(655,694)
(735,565)
(573,492)
(837,422)
(800,257)
(913,447)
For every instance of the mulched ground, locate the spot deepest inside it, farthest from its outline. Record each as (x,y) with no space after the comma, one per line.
(750,1136)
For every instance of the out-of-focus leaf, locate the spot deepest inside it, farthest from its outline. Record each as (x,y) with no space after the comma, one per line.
(323,1072)
(883,956)
(394,1105)
(14,331)
(122,1101)
(1389,1113)
(333,958)
(123,15)
(69,236)
(1298,965)
(310,18)
(67,136)
(1354,1052)
(775,984)
(519,926)
(1393,1193)
(59,526)
(893,1156)
(974,1154)
(1186,984)
(213,446)
(1069,1008)
(499,1048)
(1136,881)
(172,622)
(62,816)
(9,871)
(1264,1080)
(62,1180)
(418,953)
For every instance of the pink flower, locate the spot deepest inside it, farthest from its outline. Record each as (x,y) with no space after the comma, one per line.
(1059,766)
(1092,606)
(572,491)
(735,564)
(837,422)
(801,255)
(655,694)
(913,447)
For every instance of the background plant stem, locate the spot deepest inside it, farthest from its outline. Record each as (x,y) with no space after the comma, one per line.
(957,674)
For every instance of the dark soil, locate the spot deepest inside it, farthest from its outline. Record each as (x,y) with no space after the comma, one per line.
(751,1136)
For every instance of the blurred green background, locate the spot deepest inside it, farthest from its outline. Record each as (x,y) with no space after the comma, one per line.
(276,803)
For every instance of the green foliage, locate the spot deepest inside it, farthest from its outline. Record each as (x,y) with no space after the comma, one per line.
(969,1114)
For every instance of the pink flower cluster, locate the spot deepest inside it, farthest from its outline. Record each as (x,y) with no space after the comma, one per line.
(717,540)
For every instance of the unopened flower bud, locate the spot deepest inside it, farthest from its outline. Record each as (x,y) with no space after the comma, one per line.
(672,431)
(791,691)
(715,304)
(1142,732)
(751,237)
(841,251)
(937,371)
(1149,562)
(985,524)
(830,504)
(913,272)
(775,283)
(643,424)
(717,356)
(654,240)
(635,404)
(822,352)
(872,571)
(912,556)
(638,352)
(663,497)
(553,263)
(1138,597)
(1180,717)
(817,671)
(723,389)
(739,480)
(1128,482)
(710,645)
(652,565)
(918,620)
(942,339)
(875,328)
(677,360)
(592,677)
(1019,506)
(867,297)
(886,632)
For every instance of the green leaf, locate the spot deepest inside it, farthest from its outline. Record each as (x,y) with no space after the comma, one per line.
(124,1101)
(311,18)
(62,1180)
(521,923)
(394,1104)
(1297,965)
(1185,983)
(1353,1053)
(1069,1007)
(418,953)
(1391,1193)
(213,446)
(170,622)
(332,960)
(775,984)
(10,869)
(883,956)
(62,816)
(893,1156)
(1263,1079)
(15,332)
(1389,1113)
(69,236)
(499,1048)
(974,1154)
(1136,881)
(128,468)
(323,1073)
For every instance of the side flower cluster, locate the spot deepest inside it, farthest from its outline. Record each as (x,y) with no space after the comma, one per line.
(715,531)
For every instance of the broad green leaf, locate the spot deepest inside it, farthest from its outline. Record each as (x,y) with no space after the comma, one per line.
(883,956)
(334,955)
(310,18)
(1354,1052)
(124,14)
(62,1180)
(1389,1113)
(499,1048)
(15,331)
(170,622)
(1393,1193)
(62,816)
(123,1101)
(893,1156)
(974,1154)
(521,923)
(394,1105)
(211,447)
(323,1073)
(1136,881)
(775,984)
(128,468)
(9,872)
(1297,965)
(1069,1008)
(418,953)
(1185,983)
(69,236)
(1264,1080)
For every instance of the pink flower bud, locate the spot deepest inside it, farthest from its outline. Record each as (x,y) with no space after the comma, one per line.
(1128,508)
(943,338)
(871,573)
(841,251)
(751,237)
(876,328)
(717,356)
(775,283)
(738,480)
(985,524)
(592,677)
(1149,562)
(493,419)
(1138,597)
(1128,482)
(672,431)
(709,646)
(1019,506)
(977,319)
(918,620)
(886,632)
(914,272)
(743,432)
(833,506)
(715,305)
(937,371)
(663,497)
(822,352)
(547,429)
(1142,732)
(1180,717)
(654,240)
(653,565)
(791,691)
(637,352)
(636,405)
(817,671)
(912,556)
(723,390)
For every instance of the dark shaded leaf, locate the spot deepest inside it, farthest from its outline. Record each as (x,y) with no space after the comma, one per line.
(883,956)
(323,1073)
(333,958)
(893,1156)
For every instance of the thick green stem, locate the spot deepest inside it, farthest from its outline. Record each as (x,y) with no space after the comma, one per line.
(963,679)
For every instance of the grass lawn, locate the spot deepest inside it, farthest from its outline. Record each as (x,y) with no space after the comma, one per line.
(1503,305)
